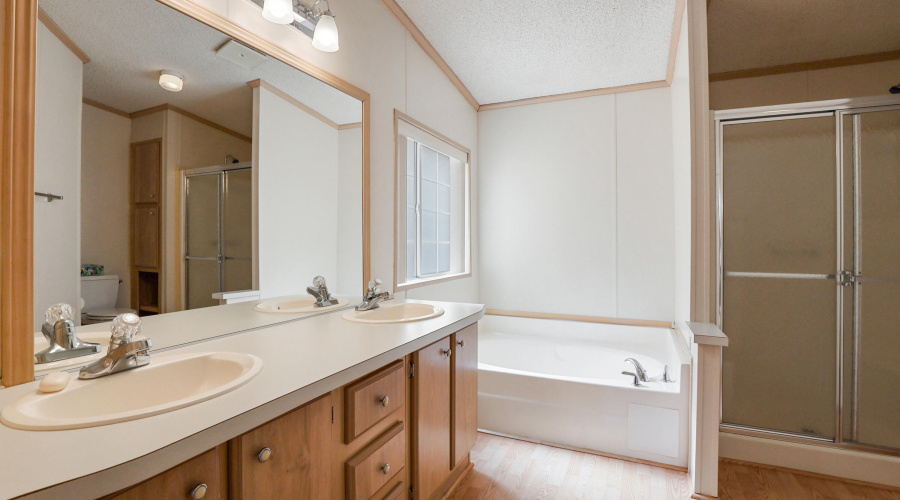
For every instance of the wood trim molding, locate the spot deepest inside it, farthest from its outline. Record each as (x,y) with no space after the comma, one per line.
(673,43)
(183,112)
(299,105)
(575,95)
(584,319)
(429,49)
(806,66)
(399,115)
(348,126)
(816,475)
(63,37)
(17,192)
(104,107)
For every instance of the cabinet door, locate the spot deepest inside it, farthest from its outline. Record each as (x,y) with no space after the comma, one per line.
(465,391)
(145,161)
(146,236)
(200,477)
(432,395)
(289,457)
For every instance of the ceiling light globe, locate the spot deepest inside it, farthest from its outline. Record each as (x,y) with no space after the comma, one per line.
(325,38)
(171,81)
(278,11)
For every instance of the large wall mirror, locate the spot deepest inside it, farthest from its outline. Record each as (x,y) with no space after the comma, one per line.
(175,163)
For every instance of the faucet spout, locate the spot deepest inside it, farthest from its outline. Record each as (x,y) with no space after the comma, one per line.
(639,370)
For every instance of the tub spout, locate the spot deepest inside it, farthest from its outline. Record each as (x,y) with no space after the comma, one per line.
(639,370)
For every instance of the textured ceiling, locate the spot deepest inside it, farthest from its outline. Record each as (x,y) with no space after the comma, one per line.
(762,33)
(130,41)
(505,50)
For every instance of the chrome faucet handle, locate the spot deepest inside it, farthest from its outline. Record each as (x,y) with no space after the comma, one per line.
(665,375)
(319,290)
(637,380)
(58,312)
(123,330)
(374,287)
(319,281)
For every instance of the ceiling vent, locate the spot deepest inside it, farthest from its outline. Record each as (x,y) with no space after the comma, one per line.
(241,55)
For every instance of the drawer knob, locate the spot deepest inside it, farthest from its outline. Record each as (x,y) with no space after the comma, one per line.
(199,491)
(386,468)
(446,352)
(264,455)
(385,401)
(461,343)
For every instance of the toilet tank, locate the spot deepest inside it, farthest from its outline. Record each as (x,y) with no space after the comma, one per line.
(99,292)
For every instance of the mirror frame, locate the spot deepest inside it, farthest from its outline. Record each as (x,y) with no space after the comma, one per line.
(20,18)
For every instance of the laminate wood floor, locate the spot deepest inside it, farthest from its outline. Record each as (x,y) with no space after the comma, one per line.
(512,469)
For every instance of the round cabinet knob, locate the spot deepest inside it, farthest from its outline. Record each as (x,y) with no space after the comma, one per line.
(264,455)
(446,352)
(152,195)
(385,401)
(461,343)
(199,491)
(386,468)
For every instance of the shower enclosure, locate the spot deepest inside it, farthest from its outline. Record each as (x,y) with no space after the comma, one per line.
(217,232)
(808,201)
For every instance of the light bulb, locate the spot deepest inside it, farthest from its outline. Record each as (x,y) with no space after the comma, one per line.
(325,38)
(171,81)
(278,11)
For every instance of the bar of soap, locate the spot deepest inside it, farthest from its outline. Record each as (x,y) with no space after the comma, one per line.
(54,382)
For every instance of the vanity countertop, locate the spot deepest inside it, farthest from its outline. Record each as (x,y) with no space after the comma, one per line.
(301,361)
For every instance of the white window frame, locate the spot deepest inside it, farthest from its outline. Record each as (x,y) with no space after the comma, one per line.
(406,127)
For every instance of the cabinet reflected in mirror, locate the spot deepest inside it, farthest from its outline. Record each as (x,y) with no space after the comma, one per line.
(188,164)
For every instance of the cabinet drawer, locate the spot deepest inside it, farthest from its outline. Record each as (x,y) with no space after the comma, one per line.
(372,399)
(199,477)
(376,464)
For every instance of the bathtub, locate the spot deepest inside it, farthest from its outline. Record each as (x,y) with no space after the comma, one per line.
(560,383)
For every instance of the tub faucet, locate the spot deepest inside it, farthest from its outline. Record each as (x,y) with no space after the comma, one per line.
(124,352)
(373,296)
(59,330)
(639,370)
(320,291)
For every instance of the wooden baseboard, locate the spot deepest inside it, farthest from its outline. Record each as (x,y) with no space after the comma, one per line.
(811,474)
(459,479)
(700,496)
(589,452)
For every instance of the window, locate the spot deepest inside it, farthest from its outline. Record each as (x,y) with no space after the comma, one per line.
(433,207)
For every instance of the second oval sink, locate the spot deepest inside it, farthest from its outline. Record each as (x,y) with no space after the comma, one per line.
(168,383)
(395,313)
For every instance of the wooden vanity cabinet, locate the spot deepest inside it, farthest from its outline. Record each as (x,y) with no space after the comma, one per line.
(431,432)
(285,458)
(464,371)
(203,476)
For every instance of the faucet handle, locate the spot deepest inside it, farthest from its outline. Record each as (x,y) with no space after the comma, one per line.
(57,312)
(374,287)
(123,329)
(319,281)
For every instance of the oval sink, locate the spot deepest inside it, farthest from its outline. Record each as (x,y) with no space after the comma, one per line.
(294,305)
(166,384)
(395,313)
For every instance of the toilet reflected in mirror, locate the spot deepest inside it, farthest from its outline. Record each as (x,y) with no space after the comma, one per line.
(99,295)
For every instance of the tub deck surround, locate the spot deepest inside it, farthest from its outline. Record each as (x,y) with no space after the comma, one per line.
(301,361)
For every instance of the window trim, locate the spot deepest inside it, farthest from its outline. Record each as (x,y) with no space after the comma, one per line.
(410,284)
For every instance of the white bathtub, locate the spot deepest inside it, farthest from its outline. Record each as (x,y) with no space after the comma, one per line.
(560,382)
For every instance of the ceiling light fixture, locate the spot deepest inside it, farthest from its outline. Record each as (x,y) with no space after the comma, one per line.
(171,80)
(317,22)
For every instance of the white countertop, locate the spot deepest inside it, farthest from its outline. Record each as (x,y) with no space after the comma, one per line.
(301,361)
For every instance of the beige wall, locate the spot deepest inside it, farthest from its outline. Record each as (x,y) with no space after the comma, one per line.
(378,55)
(861,80)
(105,193)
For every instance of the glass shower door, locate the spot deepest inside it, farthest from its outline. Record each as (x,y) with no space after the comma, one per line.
(872,393)
(779,257)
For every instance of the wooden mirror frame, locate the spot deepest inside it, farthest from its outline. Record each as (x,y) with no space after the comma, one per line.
(17,87)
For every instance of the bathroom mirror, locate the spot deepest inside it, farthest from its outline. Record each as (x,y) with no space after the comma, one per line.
(177,168)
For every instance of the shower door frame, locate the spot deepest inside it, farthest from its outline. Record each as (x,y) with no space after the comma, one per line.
(218,170)
(838,109)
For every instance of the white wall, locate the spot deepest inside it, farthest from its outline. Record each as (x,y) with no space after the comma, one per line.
(860,80)
(295,157)
(378,55)
(681,167)
(578,206)
(105,195)
(57,170)
(349,212)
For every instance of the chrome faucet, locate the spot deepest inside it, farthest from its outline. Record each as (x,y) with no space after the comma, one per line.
(124,352)
(320,291)
(373,296)
(639,374)
(59,330)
